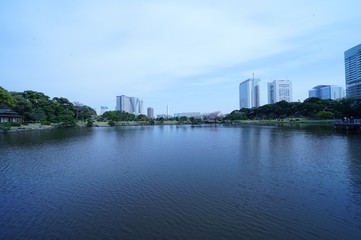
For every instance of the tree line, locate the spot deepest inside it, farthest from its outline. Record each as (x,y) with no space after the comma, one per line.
(311,108)
(114,117)
(38,107)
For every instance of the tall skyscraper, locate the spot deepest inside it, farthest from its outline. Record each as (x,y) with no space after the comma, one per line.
(150,112)
(279,90)
(249,93)
(129,104)
(326,92)
(353,72)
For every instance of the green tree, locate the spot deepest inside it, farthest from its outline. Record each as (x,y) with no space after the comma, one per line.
(89,123)
(84,112)
(66,119)
(38,115)
(142,118)
(324,115)
(6,98)
(194,120)
(160,120)
(35,106)
(23,106)
(111,123)
(236,115)
(117,116)
(183,119)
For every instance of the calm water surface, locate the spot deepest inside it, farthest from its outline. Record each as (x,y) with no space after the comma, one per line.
(180,182)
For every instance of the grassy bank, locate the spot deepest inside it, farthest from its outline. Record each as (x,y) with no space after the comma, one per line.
(39,126)
(286,121)
(289,121)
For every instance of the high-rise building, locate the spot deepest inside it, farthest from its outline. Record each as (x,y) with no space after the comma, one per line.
(353,72)
(279,90)
(326,92)
(150,112)
(103,109)
(129,104)
(249,93)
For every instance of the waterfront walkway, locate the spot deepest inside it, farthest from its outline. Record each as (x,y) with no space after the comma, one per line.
(348,126)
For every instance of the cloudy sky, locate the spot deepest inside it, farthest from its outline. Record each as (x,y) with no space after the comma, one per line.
(190,55)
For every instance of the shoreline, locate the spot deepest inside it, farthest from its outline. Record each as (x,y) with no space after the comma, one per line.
(38,126)
(284,121)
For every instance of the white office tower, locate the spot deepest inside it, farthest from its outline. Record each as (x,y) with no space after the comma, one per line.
(249,93)
(279,90)
(129,104)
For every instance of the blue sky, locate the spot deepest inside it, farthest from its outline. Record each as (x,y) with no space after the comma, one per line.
(190,55)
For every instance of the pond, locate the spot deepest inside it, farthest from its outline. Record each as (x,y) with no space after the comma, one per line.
(180,182)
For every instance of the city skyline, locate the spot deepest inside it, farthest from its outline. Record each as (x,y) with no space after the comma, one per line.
(184,54)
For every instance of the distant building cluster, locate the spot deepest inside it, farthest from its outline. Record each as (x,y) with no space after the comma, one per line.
(165,116)
(129,104)
(277,90)
(249,92)
(188,114)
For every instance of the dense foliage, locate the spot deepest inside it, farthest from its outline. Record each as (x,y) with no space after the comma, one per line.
(311,108)
(120,116)
(117,116)
(37,107)
(6,99)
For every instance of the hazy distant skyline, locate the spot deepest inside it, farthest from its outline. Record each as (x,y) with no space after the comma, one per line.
(190,55)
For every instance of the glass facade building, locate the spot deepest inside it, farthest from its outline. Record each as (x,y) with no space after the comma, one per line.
(249,93)
(327,92)
(353,72)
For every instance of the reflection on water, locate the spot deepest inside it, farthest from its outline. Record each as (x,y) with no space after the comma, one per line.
(353,163)
(180,182)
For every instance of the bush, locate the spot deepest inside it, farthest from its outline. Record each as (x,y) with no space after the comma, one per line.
(5,126)
(45,122)
(111,123)
(15,124)
(324,115)
(89,123)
